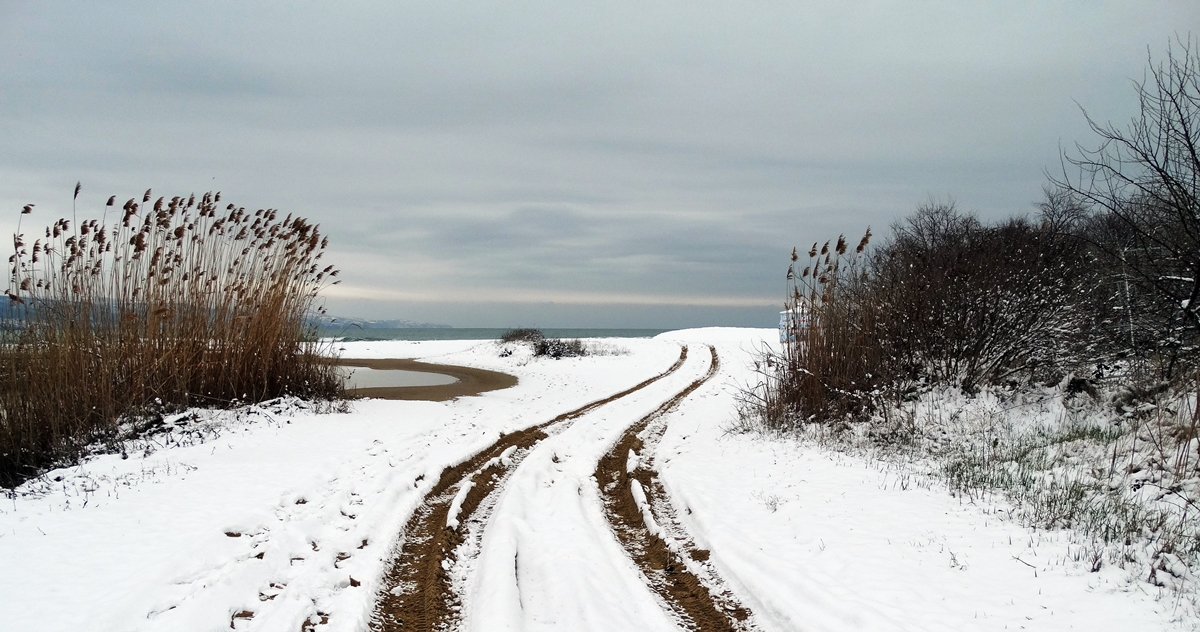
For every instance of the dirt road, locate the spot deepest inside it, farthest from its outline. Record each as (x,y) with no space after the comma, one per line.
(419,591)
(416,592)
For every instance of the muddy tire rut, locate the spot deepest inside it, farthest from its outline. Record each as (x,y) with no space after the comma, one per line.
(640,515)
(416,592)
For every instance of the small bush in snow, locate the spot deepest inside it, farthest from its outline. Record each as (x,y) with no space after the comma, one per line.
(522,334)
(555,348)
(542,346)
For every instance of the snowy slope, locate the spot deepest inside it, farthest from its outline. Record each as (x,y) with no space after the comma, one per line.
(819,541)
(288,516)
(146,548)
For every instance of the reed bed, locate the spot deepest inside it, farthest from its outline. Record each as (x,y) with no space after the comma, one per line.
(156,307)
(829,366)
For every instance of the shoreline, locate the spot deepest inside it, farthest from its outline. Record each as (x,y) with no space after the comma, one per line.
(471,381)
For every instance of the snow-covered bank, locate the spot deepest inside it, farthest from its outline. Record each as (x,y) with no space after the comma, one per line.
(816,540)
(141,543)
(288,516)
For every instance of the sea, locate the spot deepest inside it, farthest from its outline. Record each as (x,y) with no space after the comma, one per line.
(465,333)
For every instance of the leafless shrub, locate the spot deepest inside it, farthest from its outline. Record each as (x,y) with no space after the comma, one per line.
(555,348)
(946,300)
(522,334)
(541,345)
(969,304)
(1092,310)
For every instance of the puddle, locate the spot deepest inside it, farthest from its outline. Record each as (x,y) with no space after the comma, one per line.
(407,379)
(362,377)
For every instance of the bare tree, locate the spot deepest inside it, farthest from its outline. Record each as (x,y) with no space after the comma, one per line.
(1143,183)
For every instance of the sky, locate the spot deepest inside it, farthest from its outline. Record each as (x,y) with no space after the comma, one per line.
(564,164)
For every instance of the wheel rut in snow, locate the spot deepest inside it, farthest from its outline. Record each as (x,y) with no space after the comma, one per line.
(636,506)
(416,592)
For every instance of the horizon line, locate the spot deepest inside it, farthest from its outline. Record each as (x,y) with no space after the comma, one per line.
(525,296)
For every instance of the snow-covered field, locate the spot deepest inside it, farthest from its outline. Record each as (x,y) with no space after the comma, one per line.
(275,516)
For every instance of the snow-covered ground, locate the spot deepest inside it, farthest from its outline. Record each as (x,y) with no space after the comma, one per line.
(816,540)
(273,516)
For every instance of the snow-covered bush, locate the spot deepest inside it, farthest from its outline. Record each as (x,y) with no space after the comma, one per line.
(522,334)
(555,348)
(946,300)
(969,304)
(541,345)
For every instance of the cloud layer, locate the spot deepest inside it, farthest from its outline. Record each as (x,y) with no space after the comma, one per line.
(628,165)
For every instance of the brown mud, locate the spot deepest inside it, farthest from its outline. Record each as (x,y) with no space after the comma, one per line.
(416,593)
(471,381)
(666,570)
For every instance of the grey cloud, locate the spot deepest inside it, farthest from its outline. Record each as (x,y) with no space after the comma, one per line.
(567,249)
(176,75)
(678,149)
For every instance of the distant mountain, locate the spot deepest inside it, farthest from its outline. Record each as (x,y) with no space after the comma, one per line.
(10,311)
(341,322)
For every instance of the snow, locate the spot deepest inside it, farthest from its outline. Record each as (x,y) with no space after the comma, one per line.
(456,505)
(823,541)
(548,559)
(290,515)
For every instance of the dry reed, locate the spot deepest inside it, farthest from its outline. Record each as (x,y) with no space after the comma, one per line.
(830,364)
(159,307)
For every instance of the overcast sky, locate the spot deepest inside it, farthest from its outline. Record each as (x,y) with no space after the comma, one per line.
(564,164)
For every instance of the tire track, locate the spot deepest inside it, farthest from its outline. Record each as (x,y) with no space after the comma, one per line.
(641,517)
(416,592)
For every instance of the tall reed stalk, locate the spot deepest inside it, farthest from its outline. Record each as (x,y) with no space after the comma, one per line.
(172,304)
(831,360)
